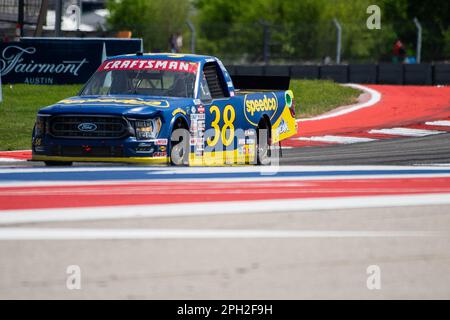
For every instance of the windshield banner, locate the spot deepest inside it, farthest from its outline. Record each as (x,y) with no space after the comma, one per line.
(149,64)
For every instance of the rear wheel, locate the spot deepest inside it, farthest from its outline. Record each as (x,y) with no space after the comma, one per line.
(263,147)
(58,164)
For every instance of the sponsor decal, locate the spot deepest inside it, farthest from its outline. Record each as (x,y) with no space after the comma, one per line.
(87,127)
(283,127)
(37,142)
(198,116)
(193,110)
(144,150)
(161,142)
(109,101)
(196,141)
(250,132)
(255,104)
(160,154)
(162,148)
(201,109)
(149,64)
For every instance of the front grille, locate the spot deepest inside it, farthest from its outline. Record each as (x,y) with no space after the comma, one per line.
(99,127)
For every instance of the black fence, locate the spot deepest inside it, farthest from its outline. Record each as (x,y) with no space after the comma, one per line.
(383,73)
(9,11)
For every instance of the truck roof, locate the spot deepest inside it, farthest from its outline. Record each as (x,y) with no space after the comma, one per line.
(166,56)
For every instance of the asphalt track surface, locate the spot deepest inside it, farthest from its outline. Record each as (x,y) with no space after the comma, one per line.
(411,151)
(230,251)
(317,242)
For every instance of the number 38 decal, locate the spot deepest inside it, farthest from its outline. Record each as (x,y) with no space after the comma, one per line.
(227,132)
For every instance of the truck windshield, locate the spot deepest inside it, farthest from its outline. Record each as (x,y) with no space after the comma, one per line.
(144,77)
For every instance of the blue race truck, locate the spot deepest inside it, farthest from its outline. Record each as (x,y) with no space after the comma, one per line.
(167,109)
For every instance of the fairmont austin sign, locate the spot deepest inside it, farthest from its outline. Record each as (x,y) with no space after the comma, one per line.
(14,60)
(57,61)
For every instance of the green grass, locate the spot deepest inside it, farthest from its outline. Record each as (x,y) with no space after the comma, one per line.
(314,97)
(19,108)
(21,103)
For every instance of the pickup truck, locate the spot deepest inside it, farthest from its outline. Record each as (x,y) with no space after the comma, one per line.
(167,109)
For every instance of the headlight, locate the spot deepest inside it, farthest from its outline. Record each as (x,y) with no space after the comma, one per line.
(39,129)
(147,129)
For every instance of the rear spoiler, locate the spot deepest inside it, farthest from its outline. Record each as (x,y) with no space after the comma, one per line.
(261,82)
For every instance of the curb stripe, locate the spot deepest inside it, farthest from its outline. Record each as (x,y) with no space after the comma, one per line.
(336,139)
(407,132)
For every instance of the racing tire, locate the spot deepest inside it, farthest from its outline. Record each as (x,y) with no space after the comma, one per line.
(58,164)
(179,149)
(263,147)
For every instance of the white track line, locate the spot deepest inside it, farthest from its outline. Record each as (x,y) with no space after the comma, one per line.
(407,132)
(170,171)
(218,208)
(443,123)
(8,234)
(11,160)
(375,97)
(335,139)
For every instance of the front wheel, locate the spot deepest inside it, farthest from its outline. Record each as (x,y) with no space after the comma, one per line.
(179,149)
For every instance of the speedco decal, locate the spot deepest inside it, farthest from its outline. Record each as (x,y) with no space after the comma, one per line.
(254,104)
(148,64)
(107,102)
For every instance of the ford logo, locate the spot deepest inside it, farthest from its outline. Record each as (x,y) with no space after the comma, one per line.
(87,127)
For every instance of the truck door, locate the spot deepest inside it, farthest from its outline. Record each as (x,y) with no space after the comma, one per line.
(221,115)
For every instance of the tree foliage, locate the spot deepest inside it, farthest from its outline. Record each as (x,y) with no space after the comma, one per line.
(153,20)
(303,29)
(295,30)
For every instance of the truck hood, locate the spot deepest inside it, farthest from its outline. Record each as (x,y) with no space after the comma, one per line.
(128,106)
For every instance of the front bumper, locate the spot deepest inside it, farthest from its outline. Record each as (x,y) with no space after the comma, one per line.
(128,150)
(143,160)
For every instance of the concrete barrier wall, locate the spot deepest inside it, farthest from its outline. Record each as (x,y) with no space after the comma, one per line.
(383,73)
(441,74)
